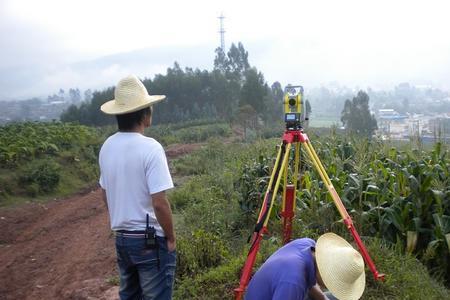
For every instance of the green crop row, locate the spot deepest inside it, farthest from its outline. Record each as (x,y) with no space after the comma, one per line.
(27,141)
(191,133)
(46,159)
(218,204)
(401,196)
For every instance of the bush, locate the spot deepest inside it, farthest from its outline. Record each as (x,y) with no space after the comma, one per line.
(217,283)
(199,252)
(41,177)
(187,194)
(207,206)
(190,133)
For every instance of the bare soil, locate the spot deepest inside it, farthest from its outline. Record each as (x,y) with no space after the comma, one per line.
(62,249)
(173,151)
(59,250)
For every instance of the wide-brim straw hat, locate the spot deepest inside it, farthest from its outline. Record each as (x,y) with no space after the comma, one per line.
(341,267)
(130,95)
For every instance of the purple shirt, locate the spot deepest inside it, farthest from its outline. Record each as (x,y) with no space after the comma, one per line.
(288,274)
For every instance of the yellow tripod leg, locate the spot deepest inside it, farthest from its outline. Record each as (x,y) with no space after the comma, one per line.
(272,176)
(343,212)
(277,184)
(294,176)
(323,174)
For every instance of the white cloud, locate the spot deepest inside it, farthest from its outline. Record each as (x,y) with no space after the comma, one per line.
(355,42)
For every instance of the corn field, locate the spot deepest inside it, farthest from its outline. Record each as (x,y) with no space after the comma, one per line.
(394,193)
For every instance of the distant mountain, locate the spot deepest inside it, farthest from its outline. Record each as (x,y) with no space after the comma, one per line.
(32,81)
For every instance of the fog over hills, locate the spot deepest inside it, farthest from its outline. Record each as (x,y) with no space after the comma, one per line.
(40,81)
(47,45)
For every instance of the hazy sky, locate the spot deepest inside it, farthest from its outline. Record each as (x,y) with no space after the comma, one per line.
(48,44)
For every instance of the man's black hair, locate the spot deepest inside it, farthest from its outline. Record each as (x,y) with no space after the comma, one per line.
(129,121)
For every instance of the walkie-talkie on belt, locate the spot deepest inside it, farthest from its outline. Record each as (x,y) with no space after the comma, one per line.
(151,241)
(150,236)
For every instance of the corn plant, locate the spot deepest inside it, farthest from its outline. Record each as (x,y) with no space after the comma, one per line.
(399,195)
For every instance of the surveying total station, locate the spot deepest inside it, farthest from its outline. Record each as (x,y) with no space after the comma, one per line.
(293,104)
(286,170)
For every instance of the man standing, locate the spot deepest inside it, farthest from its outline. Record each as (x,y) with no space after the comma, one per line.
(297,270)
(134,176)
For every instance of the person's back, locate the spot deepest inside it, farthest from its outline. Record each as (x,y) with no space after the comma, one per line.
(133,167)
(288,274)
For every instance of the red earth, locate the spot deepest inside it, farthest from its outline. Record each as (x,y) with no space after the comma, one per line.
(59,250)
(62,249)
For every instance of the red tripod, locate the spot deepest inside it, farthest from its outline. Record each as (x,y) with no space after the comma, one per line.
(293,138)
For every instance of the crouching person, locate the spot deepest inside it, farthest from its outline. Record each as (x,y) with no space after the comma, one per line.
(297,270)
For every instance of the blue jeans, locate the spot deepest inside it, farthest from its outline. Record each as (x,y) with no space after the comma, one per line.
(141,278)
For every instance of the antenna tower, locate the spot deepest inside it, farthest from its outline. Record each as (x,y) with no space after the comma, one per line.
(222,32)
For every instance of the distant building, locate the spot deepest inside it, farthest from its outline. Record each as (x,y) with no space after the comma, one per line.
(440,127)
(391,124)
(429,128)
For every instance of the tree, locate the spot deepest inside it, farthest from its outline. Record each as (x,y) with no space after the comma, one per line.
(275,102)
(221,61)
(308,109)
(72,114)
(61,94)
(87,95)
(191,93)
(221,94)
(75,95)
(254,91)
(237,63)
(356,116)
(307,112)
(246,116)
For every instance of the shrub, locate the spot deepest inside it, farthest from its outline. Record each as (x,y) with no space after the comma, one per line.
(198,252)
(192,132)
(42,177)
(217,283)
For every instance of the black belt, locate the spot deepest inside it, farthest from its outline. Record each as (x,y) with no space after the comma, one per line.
(132,233)
(129,233)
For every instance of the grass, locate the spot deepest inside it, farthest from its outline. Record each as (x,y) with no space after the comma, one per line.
(406,278)
(113,280)
(70,182)
(210,195)
(324,122)
(207,199)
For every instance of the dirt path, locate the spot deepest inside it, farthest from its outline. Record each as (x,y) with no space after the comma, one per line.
(61,250)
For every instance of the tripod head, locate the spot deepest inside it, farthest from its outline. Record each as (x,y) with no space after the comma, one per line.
(293,107)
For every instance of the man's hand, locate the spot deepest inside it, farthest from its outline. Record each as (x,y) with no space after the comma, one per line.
(316,293)
(171,245)
(164,216)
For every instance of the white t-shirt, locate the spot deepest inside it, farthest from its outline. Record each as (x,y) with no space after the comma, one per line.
(132,167)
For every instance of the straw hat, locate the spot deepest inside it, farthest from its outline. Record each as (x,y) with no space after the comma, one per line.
(130,95)
(341,267)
